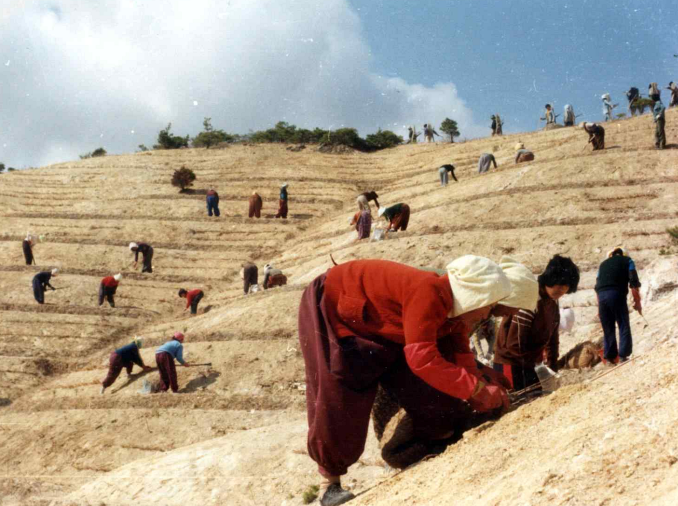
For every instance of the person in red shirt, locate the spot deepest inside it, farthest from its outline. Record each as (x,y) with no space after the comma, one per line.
(192,297)
(367,323)
(107,289)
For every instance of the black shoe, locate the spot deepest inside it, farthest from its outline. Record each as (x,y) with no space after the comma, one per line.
(335,495)
(623,359)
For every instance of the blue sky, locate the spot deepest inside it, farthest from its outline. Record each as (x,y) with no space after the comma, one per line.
(77,75)
(514,57)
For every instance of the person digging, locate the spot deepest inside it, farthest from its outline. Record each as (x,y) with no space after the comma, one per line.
(124,357)
(164,358)
(193,298)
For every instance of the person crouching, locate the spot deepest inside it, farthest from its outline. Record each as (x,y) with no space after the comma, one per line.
(164,358)
(107,289)
(124,357)
(193,298)
(273,277)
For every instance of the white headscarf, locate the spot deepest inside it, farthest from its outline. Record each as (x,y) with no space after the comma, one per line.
(381,211)
(133,245)
(55,271)
(476,282)
(117,277)
(524,285)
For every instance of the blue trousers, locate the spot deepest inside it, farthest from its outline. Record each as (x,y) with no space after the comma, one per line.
(444,178)
(612,309)
(212,206)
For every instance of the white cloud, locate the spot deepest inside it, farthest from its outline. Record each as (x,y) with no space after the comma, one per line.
(81,68)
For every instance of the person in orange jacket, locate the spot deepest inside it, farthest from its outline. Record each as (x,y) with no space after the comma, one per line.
(367,323)
(107,289)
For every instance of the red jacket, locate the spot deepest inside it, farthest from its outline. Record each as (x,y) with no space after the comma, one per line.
(410,307)
(191,295)
(109,282)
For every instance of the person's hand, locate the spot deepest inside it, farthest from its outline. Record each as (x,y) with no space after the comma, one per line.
(147,368)
(493,377)
(186,364)
(490,398)
(638,307)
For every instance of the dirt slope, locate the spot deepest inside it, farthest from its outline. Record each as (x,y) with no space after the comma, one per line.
(235,432)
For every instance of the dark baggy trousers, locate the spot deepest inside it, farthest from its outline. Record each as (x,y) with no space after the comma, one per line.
(401,220)
(107,293)
(613,309)
(525,157)
(282,209)
(167,370)
(115,367)
(28,252)
(212,206)
(148,260)
(250,277)
(520,377)
(254,207)
(598,140)
(342,376)
(660,134)
(38,291)
(195,301)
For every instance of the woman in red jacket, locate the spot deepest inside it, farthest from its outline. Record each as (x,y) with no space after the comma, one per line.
(371,322)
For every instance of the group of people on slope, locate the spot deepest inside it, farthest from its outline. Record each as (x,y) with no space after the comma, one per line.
(373,325)
(429,133)
(249,273)
(128,356)
(397,216)
(255,203)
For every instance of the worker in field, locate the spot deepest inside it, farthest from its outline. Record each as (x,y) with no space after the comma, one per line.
(370,196)
(429,132)
(658,111)
(484,162)
(522,154)
(398,217)
(41,282)
(273,277)
(444,172)
(416,436)
(367,323)
(282,205)
(493,126)
(568,115)
(124,357)
(615,275)
(596,134)
(549,115)
(107,289)
(212,200)
(249,273)
(529,335)
(164,358)
(674,94)
(608,107)
(27,247)
(654,92)
(193,298)
(362,220)
(147,251)
(255,205)
(631,96)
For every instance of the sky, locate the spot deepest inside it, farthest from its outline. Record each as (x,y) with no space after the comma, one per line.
(76,75)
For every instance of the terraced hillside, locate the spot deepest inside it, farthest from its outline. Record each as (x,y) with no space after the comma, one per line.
(235,433)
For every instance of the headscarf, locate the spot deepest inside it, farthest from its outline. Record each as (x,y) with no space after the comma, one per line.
(55,271)
(476,282)
(519,145)
(133,245)
(381,211)
(179,336)
(138,341)
(524,285)
(117,277)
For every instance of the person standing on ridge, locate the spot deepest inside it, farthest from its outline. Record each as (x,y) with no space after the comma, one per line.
(282,206)
(674,94)
(124,357)
(147,251)
(658,111)
(193,298)
(107,289)
(484,162)
(493,126)
(549,116)
(27,246)
(568,115)
(615,276)
(367,323)
(255,205)
(631,96)
(164,358)
(429,132)
(444,171)
(212,200)
(654,92)
(607,107)
(40,284)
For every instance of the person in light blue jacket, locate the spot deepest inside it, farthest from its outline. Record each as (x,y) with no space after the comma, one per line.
(164,358)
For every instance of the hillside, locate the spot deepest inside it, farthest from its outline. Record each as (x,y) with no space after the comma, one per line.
(235,433)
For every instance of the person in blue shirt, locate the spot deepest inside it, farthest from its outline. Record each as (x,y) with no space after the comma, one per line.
(164,357)
(125,357)
(659,123)
(282,207)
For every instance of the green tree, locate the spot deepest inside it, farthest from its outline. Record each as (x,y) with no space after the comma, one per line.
(142,148)
(210,137)
(98,152)
(168,141)
(383,139)
(2,167)
(183,178)
(450,127)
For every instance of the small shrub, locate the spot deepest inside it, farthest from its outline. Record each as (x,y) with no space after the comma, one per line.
(621,115)
(168,141)
(142,148)
(673,232)
(2,167)
(183,178)
(85,156)
(310,494)
(98,152)
(383,139)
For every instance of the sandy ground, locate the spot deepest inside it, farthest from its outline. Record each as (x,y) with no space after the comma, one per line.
(235,432)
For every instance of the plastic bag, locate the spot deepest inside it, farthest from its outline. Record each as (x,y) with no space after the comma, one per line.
(379,234)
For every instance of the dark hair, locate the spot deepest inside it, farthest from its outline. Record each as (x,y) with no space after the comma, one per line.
(560,271)
(617,251)
(182,292)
